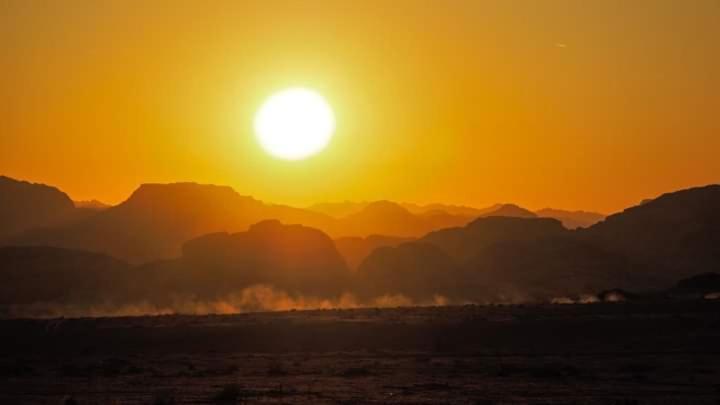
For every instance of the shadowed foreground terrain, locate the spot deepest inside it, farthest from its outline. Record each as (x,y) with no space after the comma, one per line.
(619,353)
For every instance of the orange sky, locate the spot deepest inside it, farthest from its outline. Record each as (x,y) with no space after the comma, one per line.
(574,104)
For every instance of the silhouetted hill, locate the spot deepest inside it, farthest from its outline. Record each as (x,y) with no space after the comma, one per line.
(43,277)
(437,219)
(355,249)
(389,218)
(407,220)
(673,236)
(294,258)
(345,208)
(25,205)
(157,218)
(510,210)
(572,219)
(463,243)
(547,267)
(417,270)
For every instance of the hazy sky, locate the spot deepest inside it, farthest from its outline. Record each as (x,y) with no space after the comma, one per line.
(592,104)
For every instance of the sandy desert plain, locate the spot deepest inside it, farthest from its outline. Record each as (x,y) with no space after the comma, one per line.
(604,353)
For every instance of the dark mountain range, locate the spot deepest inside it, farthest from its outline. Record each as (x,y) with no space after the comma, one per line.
(647,247)
(215,269)
(463,243)
(158,218)
(496,259)
(674,236)
(26,205)
(455,215)
(213,250)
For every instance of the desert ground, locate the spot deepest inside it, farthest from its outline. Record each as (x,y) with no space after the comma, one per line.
(604,353)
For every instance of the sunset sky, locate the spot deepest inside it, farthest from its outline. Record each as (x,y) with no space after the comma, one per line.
(571,104)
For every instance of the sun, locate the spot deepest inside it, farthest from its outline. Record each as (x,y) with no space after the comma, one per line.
(294,124)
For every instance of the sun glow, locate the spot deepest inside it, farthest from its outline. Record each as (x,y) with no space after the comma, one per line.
(294,124)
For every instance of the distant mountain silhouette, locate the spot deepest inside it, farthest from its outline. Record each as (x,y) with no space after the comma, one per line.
(572,219)
(158,218)
(355,249)
(510,210)
(345,208)
(459,210)
(91,205)
(389,218)
(338,209)
(215,243)
(25,205)
(647,247)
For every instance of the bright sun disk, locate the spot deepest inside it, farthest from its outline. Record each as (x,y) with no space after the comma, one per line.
(294,124)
